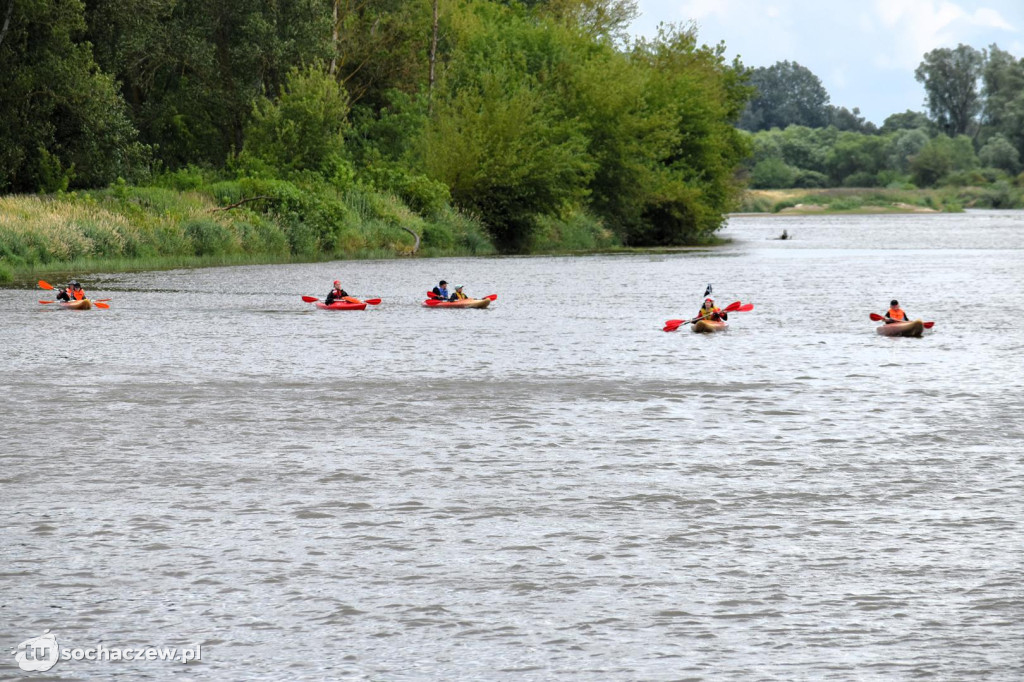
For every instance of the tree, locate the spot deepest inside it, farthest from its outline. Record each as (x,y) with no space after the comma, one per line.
(1003,90)
(786,94)
(950,79)
(847,120)
(191,69)
(903,146)
(303,129)
(64,123)
(998,152)
(908,120)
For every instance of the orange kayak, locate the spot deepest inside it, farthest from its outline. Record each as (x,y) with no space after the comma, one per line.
(467,303)
(84,304)
(708,326)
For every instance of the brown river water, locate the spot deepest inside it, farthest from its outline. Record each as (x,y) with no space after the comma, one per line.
(551,488)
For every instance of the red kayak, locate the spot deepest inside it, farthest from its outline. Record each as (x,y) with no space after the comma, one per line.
(341,305)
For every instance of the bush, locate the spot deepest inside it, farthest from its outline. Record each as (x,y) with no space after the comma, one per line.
(772,173)
(808,179)
(861,179)
(210,238)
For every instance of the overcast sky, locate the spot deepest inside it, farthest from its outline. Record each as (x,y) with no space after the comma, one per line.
(864,51)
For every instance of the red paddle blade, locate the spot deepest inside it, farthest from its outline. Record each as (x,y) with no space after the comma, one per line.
(45,302)
(732,306)
(431,294)
(432,303)
(79,295)
(927,325)
(45,285)
(876,317)
(669,323)
(493,297)
(372,301)
(745,308)
(310,299)
(100,305)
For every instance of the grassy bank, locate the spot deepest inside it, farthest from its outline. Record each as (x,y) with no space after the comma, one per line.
(188,221)
(874,200)
(222,223)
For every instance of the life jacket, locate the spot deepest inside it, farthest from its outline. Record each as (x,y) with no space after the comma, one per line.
(897,315)
(460,296)
(710,313)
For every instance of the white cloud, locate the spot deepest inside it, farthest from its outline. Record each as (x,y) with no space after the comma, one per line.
(923,25)
(991,18)
(702,9)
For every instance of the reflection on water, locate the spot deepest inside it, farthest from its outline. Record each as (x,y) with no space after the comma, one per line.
(551,487)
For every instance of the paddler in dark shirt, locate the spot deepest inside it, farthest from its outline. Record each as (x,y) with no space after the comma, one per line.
(441,291)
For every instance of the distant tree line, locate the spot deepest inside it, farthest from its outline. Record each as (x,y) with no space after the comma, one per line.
(972,133)
(511,112)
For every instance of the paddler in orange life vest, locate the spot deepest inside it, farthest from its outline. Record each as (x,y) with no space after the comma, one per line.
(458,295)
(709,311)
(69,293)
(337,294)
(895,313)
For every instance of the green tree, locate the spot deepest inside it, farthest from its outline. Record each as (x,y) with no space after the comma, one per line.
(904,145)
(1000,153)
(191,69)
(773,173)
(907,120)
(856,159)
(950,78)
(303,129)
(64,123)
(846,120)
(786,94)
(1003,90)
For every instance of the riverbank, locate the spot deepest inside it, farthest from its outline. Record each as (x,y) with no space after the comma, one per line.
(126,228)
(853,200)
(253,222)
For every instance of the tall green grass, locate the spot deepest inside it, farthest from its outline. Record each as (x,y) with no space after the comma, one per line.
(184,221)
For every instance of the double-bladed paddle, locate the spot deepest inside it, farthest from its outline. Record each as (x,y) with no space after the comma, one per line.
(736,307)
(881,318)
(369,301)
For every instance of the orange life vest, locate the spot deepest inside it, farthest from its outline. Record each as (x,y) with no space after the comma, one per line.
(709,313)
(460,296)
(895,314)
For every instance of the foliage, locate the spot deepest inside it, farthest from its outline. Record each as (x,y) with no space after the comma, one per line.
(303,129)
(786,94)
(950,79)
(64,123)
(1000,153)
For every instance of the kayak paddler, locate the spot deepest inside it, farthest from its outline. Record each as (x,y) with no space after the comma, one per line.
(70,292)
(458,295)
(337,294)
(441,291)
(895,313)
(709,311)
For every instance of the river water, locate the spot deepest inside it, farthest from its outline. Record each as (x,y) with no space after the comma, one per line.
(550,488)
